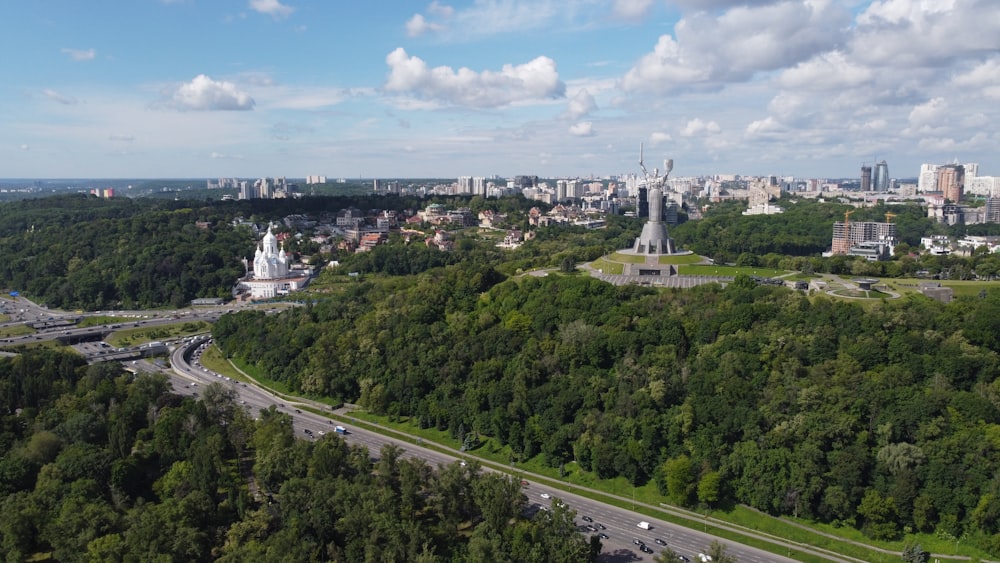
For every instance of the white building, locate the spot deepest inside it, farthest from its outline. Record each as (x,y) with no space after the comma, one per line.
(272,275)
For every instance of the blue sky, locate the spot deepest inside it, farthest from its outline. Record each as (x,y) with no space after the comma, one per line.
(344,88)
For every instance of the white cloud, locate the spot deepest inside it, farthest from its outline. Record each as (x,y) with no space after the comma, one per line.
(79,55)
(925,33)
(59,98)
(272,8)
(659,138)
(826,71)
(582,129)
(738,44)
(535,80)
(223,156)
(581,104)
(933,113)
(24,147)
(696,127)
(439,9)
(205,94)
(418,25)
(631,10)
(983,78)
(764,128)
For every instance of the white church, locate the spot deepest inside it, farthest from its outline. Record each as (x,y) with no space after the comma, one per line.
(272,275)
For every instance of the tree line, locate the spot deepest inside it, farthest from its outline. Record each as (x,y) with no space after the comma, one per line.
(875,417)
(100,465)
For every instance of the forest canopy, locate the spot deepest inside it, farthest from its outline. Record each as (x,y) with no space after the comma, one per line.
(880,417)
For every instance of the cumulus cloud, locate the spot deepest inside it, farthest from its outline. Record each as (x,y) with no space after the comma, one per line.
(631,10)
(697,126)
(738,44)
(764,128)
(933,113)
(984,78)
(582,129)
(535,80)
(826,71)
(659,138)
(581,104)
(79,55)
(205,94)
(920,33)
(59,98)
(273,8)
(418,25)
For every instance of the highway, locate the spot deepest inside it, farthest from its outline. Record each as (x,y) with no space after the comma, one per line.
(189,377)
(620,525)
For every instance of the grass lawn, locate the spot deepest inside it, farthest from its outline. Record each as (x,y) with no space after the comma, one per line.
(630,258)
(680,259)
(714,270)
(136,336)
(16,330)
(608,267)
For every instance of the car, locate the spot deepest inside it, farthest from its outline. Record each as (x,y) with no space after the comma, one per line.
(587,519)
(307,431)
(322,433)
(591,528)
(601,527)
(705,558)
(637,541)
(659,541)
(683,558)
(645,549)
(546,495)
(602,535)
(524,483)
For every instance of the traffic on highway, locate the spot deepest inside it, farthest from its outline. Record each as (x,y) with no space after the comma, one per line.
(625,534)
(621,535)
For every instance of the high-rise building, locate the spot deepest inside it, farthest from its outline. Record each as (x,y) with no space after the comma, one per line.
(927,181)
(880,179)
(848,234)
(951,181)
(992,210)
(479,186)
(866,178)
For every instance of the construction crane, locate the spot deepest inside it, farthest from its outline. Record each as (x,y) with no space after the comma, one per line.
(889,216)
(847,215)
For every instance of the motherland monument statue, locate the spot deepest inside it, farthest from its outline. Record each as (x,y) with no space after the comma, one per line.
(654,239)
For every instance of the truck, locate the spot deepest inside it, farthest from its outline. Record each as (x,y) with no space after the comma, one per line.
(340,429)
(644,525)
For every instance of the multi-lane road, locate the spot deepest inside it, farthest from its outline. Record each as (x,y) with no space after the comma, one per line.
(189,377)
(618,524)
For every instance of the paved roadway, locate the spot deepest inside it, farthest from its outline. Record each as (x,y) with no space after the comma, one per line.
(190,377)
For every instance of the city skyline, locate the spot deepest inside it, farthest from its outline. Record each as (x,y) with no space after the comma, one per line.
(263,88)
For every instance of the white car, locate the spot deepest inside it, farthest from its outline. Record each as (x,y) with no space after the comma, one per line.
(546,495)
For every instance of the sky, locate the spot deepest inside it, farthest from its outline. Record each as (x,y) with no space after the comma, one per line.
(554,88)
